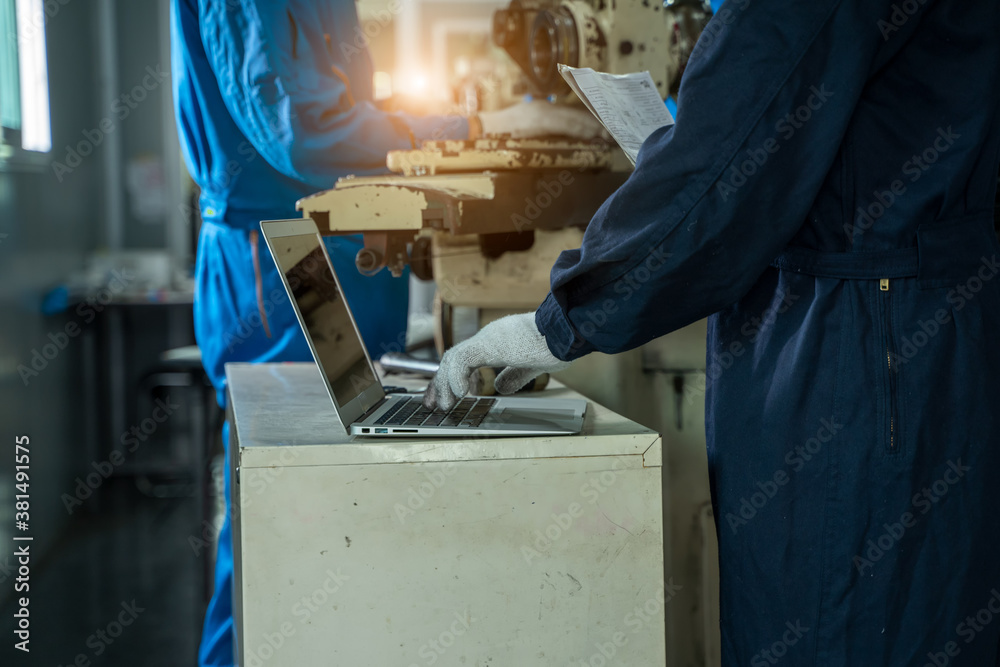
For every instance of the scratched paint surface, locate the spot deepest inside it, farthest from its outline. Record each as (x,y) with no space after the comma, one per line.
(525,562)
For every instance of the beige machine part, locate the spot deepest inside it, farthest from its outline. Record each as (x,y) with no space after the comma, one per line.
(619,37)
(625,36)
(516,280)
(494,154)
(436,179)
(389,203)
(537,186)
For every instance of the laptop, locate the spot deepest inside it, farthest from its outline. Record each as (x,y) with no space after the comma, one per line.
(356,391)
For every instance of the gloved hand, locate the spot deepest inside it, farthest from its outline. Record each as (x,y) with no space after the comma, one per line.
(539,118)
(512,342)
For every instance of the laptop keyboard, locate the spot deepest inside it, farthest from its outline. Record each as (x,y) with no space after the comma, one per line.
(468,412)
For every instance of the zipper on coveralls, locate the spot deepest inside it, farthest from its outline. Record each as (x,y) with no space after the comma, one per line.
(883,285)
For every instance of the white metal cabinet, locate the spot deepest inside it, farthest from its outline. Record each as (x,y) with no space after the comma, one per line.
(471,552)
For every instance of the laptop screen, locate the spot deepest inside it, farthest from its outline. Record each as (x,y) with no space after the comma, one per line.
(335,341)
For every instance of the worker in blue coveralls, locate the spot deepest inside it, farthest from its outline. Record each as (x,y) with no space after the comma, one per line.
(274,102)
(831,173)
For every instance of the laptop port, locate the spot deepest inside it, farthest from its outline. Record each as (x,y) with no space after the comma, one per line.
(404,430)
(381,430)
(364,430)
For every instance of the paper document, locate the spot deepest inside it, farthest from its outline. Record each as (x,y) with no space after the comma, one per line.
(628,105)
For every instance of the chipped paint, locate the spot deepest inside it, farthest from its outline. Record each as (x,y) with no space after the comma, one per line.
(427,161)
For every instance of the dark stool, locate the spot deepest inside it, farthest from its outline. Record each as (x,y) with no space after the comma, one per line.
(190,476)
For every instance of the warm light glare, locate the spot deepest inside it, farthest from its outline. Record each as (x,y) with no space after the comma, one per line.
(411,82)
(382,84)
(36,133)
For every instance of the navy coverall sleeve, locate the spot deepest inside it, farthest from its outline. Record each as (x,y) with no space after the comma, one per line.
(287,84)
(763,110)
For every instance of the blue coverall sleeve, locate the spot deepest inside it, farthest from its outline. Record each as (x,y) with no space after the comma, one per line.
(287,85)
(764,106)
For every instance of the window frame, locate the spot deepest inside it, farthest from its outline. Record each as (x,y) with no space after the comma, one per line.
(13,155)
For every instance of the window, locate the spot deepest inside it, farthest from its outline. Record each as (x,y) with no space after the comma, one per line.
(24,84)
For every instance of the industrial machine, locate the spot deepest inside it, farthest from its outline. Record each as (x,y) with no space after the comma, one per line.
(487,219)
(615,36)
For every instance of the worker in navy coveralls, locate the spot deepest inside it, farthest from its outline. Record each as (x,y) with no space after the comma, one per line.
(832,172)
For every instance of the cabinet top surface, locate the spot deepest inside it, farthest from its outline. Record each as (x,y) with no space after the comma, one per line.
(284,417)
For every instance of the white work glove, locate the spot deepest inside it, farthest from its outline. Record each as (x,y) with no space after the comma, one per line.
(539,118)
(512,343)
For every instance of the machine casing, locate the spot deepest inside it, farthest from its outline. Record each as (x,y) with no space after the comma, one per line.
(520,551)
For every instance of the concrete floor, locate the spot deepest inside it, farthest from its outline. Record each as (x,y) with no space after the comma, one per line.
(129,563)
